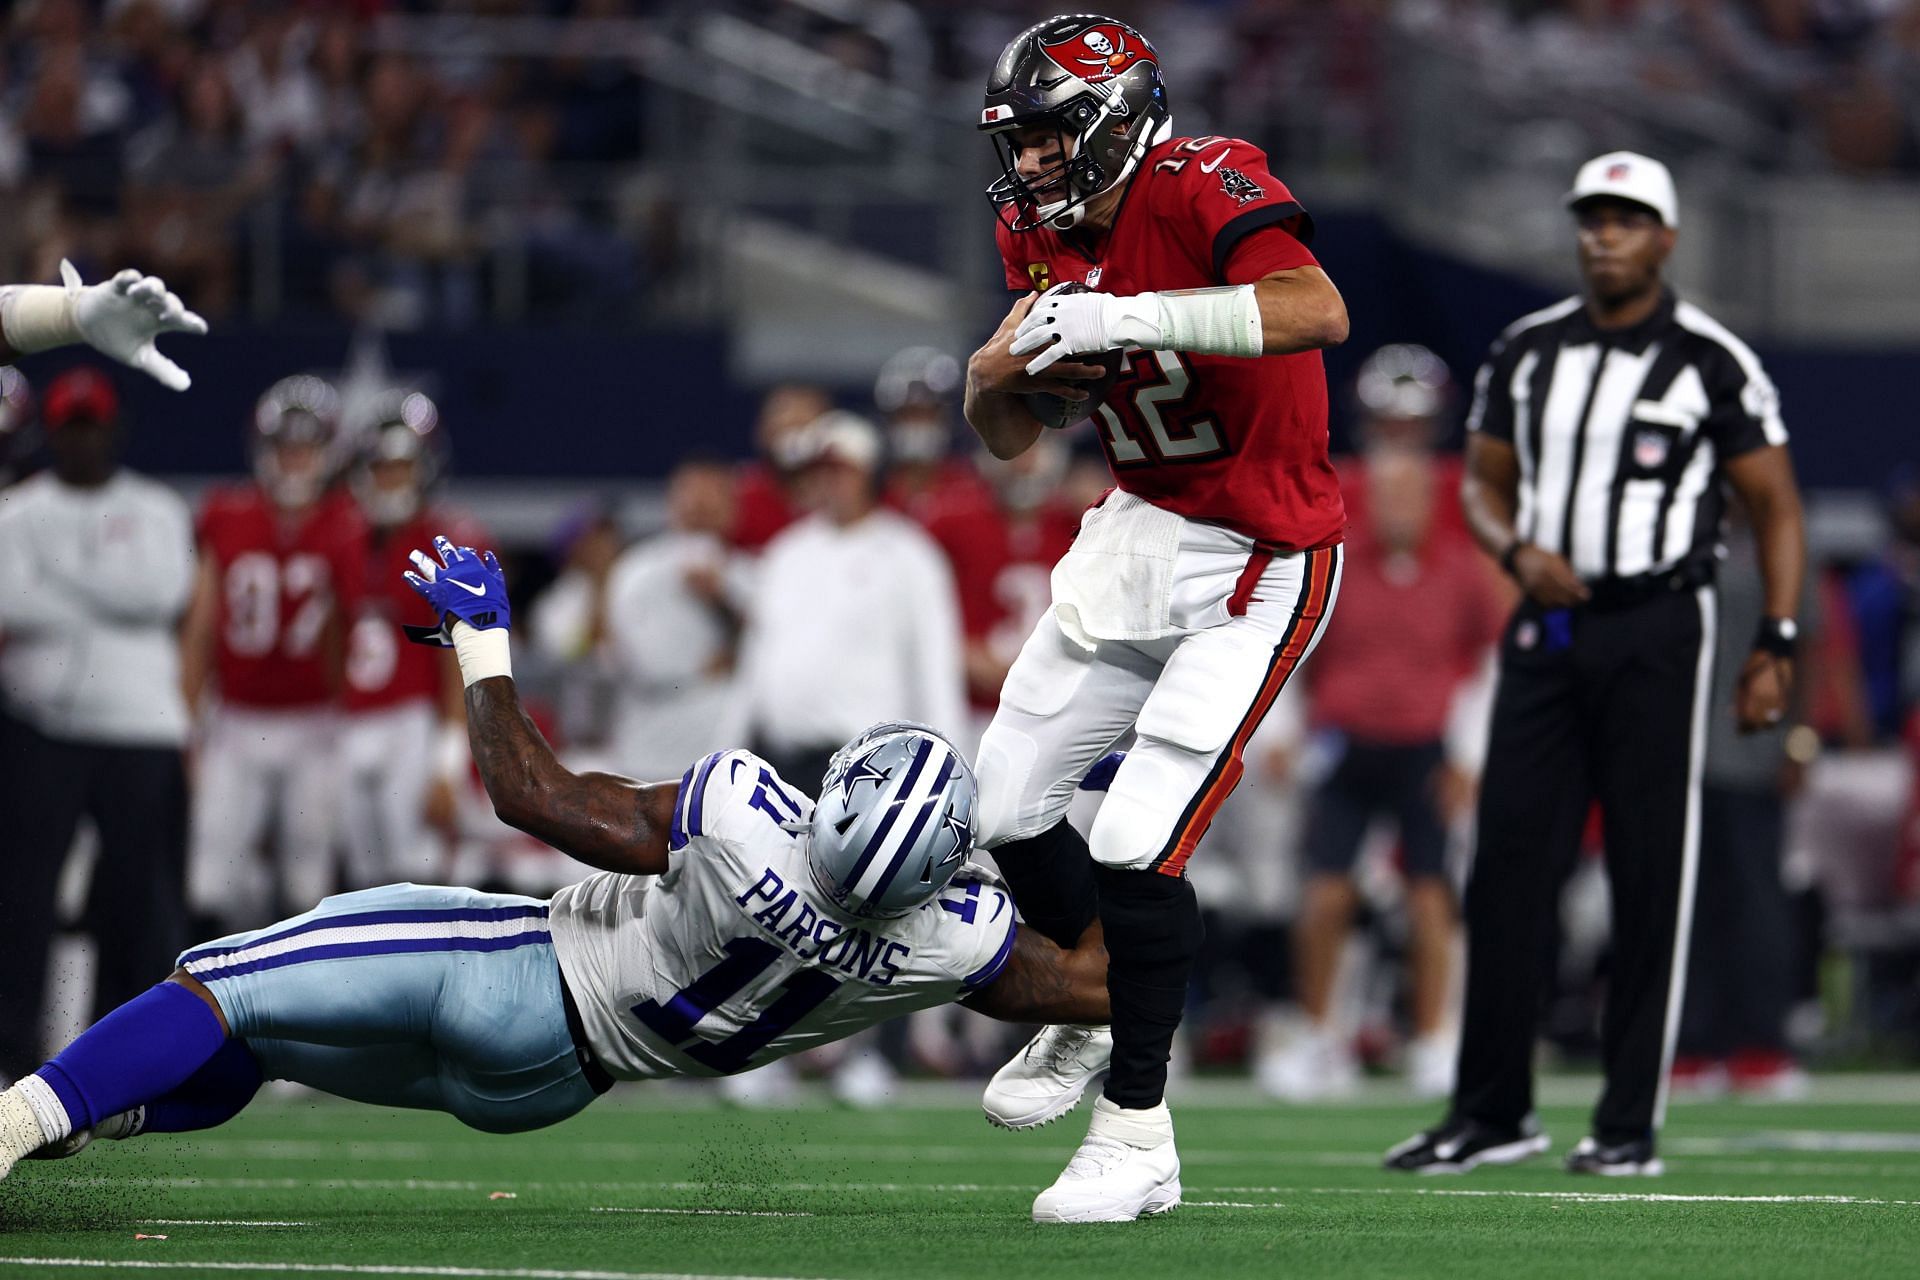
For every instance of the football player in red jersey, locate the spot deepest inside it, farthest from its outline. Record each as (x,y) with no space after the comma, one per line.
(264,638)
(1192,591)
(1002,542)
(403,735)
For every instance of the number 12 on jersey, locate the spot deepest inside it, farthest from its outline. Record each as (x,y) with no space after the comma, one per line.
(747,958)
(1145,421)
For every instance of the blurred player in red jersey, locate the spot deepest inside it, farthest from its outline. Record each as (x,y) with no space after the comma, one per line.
(264,640)
(1002,542)
(765,497)
(1193,590)
(403,737)
(1404,394)
(917,393)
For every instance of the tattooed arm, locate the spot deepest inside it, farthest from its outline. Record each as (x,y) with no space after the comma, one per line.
(601,819)
(1044,983)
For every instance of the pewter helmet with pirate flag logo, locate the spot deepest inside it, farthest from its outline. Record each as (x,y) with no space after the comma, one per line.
(1096,80)
(894,820)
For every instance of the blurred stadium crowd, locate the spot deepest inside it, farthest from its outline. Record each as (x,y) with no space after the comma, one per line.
(354,164)
(874,564)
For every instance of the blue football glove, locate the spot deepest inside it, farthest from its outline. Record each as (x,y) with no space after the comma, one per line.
(462,586)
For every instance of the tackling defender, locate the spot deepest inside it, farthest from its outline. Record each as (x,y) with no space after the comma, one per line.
(776,924)
(1193,591)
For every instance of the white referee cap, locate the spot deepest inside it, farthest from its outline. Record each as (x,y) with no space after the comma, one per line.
(1626,175)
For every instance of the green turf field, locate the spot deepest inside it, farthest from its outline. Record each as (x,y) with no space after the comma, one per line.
(662,1182)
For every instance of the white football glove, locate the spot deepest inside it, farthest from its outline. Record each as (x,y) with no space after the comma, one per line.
(1075,324)
(121,318)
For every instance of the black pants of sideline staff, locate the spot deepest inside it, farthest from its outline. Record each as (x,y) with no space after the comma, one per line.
(1603,705)
(137,798)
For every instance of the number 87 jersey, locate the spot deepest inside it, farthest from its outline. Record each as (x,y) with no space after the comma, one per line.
(1234,441)
(735,957)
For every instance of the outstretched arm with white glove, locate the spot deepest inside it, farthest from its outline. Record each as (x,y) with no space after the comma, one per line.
(1294,310)
(120,318)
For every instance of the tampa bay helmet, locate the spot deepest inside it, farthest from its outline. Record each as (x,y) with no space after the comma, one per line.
(1096,80)
(894,821)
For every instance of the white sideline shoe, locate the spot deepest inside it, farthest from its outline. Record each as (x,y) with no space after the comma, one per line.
(763,1089)
(1045,1080)
(1127,1168)
(1430,1061)
(865,1081)
(1313,1066)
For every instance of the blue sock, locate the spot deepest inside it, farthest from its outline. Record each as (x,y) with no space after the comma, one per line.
(144,1049)
(211,1096)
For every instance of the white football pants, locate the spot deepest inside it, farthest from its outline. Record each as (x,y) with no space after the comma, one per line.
(260,770)
(386,766)
(1192,699)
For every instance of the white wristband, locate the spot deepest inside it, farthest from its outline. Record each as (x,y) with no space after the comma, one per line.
(1218,322)
(36,317)
(483,654)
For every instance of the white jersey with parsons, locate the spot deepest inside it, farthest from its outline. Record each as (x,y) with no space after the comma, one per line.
(734,956)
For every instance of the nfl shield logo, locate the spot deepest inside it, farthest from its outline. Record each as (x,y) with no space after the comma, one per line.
(1093,277)
(1618,172)
(1649,449)
(1526,635)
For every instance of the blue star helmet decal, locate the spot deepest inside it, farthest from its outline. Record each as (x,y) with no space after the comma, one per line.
(856,772)
(962,835)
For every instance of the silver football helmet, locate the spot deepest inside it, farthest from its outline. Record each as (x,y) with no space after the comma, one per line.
(295,411)
(894,820)
(399,426)
(1096,80)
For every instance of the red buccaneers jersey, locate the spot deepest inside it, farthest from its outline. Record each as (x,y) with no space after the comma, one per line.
(384,668)
(278,578)
(1002,566)
(1238,442)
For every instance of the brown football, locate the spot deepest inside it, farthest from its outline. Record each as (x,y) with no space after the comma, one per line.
(1058,412)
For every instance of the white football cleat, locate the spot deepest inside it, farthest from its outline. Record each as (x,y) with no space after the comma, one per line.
(125,1125)
(865,1081)
(1127,1168)
(20,1131)
(1045,1080)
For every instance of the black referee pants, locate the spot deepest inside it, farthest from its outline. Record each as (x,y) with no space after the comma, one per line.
(137,798)
(1592,705)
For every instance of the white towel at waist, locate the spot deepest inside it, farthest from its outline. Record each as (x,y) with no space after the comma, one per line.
(1116,582)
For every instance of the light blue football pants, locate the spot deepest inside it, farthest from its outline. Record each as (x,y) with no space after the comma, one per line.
(408,996)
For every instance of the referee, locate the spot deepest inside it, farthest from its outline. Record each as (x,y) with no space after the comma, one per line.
(1603,435)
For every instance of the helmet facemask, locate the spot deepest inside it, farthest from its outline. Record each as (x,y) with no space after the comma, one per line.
(1107,110)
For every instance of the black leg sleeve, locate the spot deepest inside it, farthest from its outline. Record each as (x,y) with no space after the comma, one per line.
(1153,931)
(1051,876)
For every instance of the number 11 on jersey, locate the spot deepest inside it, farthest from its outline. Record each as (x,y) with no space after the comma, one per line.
(675,1019)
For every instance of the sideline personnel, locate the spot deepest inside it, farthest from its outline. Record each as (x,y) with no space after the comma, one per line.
(1604,432)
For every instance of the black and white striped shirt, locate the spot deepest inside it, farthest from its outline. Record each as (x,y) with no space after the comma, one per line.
(1620,433)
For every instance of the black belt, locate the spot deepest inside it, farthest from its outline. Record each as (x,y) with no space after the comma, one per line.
(597,1077)
(1623,593)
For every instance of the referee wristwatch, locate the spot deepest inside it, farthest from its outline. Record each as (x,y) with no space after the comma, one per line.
(1777,636)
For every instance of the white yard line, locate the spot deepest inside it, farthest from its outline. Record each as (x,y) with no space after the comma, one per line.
(702,1213)
(365,1269)
(1573,1197)
(214,1222)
